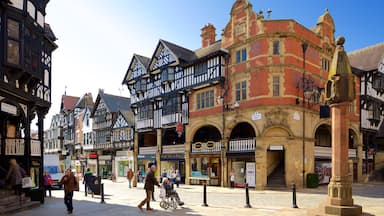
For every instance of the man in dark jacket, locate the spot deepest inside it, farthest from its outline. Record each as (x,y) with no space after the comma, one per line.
(149,186)
(70,185)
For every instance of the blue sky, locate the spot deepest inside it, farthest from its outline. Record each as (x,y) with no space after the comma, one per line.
(97,38)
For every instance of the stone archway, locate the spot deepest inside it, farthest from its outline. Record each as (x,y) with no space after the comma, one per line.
(207,133)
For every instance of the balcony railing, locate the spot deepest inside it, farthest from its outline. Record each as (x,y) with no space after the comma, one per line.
(173,149)
(206,147)
(14,146)
(171,118)
(326,152)
(147,150)
(242,145)
(35,148)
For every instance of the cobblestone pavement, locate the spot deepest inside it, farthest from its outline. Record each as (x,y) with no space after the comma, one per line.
(120,200)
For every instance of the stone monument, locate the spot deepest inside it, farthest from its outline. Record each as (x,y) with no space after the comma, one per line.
(340,92)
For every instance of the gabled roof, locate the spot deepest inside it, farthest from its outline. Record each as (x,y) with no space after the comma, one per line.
(367,58)
(142,59)
(180,52)
(128,117)
(85,100)
(114,103)
(68,102)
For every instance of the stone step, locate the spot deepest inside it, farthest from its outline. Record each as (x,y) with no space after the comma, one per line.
(18,208)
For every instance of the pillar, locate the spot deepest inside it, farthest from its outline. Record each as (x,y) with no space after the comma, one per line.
(261,164)
(158,153)
(187,162)
(40,125)
(340,200)
(224,163)
(135,156)
(360,161)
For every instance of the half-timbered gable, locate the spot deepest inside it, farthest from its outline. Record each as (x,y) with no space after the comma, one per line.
(122,130)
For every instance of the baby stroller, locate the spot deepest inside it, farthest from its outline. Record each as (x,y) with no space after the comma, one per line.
(169,198)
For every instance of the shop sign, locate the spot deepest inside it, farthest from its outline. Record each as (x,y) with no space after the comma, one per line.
(93,156)
(121,153)
(210,145)
(8,108)
(296,116)
(172,156)
(146,157)
(198,145)
(250,168)
(105,157)
(179,129)
(324,170)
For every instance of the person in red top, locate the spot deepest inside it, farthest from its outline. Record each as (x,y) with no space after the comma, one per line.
(48,182)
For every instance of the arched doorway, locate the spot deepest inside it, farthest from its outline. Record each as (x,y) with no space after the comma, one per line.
(241,155)
(323,153)
(205,156)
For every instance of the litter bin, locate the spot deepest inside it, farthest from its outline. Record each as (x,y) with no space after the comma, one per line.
(97,186)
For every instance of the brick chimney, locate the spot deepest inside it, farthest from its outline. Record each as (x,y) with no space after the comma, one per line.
(208,35)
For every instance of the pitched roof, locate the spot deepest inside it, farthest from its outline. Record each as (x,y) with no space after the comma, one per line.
(180,52)
(144,60)
(115,103)
(211,49)
(85,100)
(68,102)
(367,58)
(128,116)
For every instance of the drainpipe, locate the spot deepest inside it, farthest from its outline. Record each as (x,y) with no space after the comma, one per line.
(224,97)
(304,46)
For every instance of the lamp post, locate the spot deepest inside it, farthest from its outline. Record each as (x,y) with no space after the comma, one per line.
(304,47)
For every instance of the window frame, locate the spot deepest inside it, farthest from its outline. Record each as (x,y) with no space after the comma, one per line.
(205,100)
(241,91)
(241,55)
(276,92)
(14,39)
(276,47)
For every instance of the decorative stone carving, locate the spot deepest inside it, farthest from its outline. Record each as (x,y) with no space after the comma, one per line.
(276,117)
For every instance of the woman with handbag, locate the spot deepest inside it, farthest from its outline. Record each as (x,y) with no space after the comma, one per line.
(48,182)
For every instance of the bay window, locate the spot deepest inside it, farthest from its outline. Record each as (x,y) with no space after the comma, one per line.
(13,42)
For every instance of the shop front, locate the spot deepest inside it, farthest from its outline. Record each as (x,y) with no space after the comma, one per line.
(123,162)
(105,166)
(243,166)
(142,165)
(205,169)
(171,162)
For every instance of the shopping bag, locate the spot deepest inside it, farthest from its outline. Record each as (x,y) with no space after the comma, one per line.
(27,182)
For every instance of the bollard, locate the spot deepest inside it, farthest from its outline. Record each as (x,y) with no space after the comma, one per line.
(85,189)
(102,193)
(247,204)
(205,195)
(294,205)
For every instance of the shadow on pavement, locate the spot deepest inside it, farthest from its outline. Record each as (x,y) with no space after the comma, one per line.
(56,207)
(371,190)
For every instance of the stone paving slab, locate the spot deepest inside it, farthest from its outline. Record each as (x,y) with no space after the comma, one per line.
(120,200)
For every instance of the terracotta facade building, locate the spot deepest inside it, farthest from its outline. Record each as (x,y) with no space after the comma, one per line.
(240,103)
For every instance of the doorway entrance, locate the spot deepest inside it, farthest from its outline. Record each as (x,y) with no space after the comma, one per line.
(276,166)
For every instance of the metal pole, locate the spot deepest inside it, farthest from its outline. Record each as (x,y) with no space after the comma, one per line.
(205,195)
(102,193)
(294,205)
(85,185)
(247,204)
(304,46)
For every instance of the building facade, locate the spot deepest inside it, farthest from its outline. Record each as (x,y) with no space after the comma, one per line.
(369,62)
(122,141)
(25,84)
(104,114)
(248,103)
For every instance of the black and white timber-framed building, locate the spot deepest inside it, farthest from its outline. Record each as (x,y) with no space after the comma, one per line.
(160,87)
(27,43)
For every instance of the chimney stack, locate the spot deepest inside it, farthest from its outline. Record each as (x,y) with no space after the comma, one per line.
(208,35)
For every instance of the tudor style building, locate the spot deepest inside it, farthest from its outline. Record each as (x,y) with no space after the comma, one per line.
(104,114)
(249,103)
(25,84)
(369,62)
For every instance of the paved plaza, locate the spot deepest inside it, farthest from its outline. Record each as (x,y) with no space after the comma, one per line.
(120,200)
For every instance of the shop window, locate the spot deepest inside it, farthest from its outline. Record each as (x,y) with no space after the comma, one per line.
(205,167)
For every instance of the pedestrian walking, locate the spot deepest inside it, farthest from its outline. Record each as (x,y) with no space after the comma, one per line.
(178,178)
(130,177)
(149,186)
(232,178)
(70,184)
(15,176)
(89,178)
(48,182)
